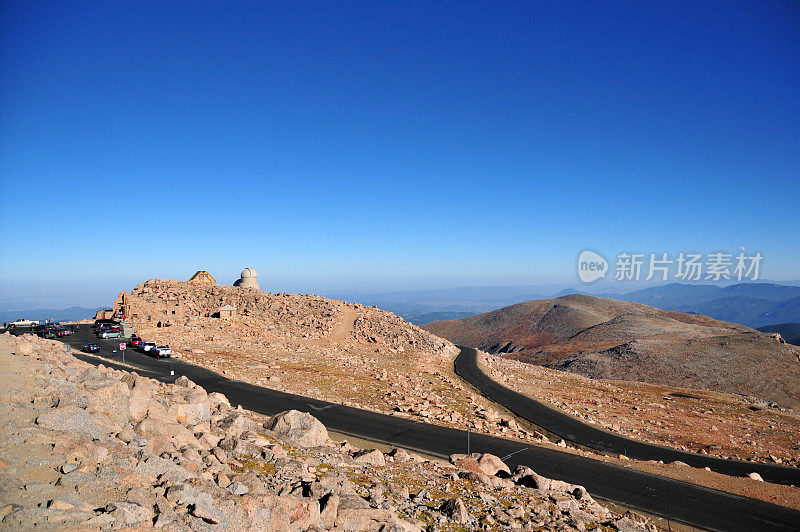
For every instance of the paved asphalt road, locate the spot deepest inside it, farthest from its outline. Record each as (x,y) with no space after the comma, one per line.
(676,500)
(575,431)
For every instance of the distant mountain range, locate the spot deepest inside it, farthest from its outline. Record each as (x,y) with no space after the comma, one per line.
(64,314)
(751,304)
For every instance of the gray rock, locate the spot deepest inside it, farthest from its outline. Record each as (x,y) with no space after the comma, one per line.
(238,488)
(71,419)
(456,510)
(371,457)
(155,467)
(626,524)
(235,424)
(300,427)
(129,513)
(139,400)
(184,381)
(329,508)
(127,434)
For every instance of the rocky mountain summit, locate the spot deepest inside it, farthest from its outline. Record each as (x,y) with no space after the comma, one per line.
(276,316)
(94,447)
(313,346)
(609,339)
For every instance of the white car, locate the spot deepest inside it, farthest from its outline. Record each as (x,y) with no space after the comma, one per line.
(22,322)
(110,334)
(147,346)
(162,351)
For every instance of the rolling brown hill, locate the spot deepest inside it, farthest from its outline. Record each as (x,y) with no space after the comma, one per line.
(605,338)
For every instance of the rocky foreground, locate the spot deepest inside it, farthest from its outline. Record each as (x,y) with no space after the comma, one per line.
(93,447)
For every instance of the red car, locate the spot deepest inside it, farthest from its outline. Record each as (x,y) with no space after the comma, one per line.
(135,341)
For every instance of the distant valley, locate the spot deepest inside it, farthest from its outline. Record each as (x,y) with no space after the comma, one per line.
(751,304)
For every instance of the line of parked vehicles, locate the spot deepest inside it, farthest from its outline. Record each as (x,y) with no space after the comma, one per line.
(52,330)
(106,328)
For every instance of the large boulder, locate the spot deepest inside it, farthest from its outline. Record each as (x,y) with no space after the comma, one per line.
(71,419)
(486,464)
(371,457)
(456,510)
(301,428)
(190,413)
(235,423)
(278,513)
(140,398)
(111,404)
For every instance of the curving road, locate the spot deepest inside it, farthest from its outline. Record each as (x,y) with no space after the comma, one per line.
(578,432)
(673,499)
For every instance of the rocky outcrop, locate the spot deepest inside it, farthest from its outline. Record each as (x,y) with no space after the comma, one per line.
(301,428)
(159,302)
(98,448)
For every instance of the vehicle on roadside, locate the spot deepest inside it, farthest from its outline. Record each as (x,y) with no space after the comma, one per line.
(110,333)
(91,348)
(48,333)
(107,328)
(22,322)
(162,351)
(101,322)
(135,341)
(64,331)
(146,347)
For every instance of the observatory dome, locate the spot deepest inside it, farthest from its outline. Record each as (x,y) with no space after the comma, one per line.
(248,279)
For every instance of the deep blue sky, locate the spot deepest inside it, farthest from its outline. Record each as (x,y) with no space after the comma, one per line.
(337,146)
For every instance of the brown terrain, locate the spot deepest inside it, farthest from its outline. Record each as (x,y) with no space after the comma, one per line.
(313,346)
(369,358)
(94,448)
(609,339)
(689,419)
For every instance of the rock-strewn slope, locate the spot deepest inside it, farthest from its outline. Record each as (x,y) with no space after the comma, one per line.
(98,448)
(313,346)
(278,316)
(609,339)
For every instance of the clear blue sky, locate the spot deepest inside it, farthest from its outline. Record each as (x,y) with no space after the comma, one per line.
(370,145)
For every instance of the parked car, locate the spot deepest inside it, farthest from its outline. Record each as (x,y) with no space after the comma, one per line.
(135,341)
(91,348)
(103,330)
(147,346)
(101,322)
(22,322)
(110,333)
(162,351)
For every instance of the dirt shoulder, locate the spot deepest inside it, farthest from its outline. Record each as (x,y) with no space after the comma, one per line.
(677,417)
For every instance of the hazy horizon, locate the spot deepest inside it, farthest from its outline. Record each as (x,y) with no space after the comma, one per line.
(53,295)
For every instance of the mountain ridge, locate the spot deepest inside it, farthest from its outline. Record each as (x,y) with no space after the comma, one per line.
(606,338)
